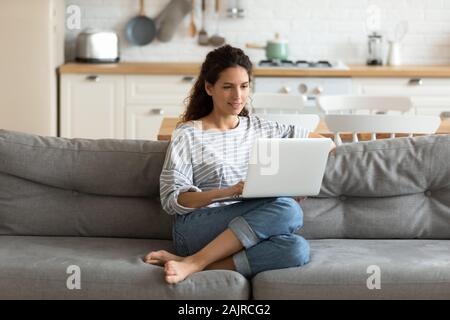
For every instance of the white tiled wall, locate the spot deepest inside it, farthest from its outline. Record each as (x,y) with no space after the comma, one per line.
(316,29)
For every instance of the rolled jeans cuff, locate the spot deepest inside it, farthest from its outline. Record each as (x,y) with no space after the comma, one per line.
(243,232)
(241,264)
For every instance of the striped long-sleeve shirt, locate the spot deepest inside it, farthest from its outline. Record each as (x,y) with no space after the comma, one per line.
(201,160)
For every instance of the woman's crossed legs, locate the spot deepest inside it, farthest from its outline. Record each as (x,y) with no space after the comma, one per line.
(264,228)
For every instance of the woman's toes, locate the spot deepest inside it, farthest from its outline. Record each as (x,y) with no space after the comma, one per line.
(171,273)
(151,256)
(157,257)
(169,267)
(160,257)
(177,271)
(172,279)
(148,256)
(155,262)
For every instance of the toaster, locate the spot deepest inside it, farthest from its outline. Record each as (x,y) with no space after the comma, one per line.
(97,46)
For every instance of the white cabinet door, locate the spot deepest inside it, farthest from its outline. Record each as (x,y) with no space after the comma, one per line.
(92,106)
(158,90)
(430,96)
(151,98)
(144,122)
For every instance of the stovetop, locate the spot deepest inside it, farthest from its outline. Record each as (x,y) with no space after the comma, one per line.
(303,64)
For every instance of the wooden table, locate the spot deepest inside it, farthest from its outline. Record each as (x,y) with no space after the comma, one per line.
(169,124)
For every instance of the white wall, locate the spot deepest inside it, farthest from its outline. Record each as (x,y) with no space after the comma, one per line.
(316,29)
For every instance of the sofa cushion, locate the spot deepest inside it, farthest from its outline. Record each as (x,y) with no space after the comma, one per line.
(38,268)
(393,188)
(341,269)
(72,187)
(29,208)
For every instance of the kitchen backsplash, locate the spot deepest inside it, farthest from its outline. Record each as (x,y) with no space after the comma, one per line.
(315,29)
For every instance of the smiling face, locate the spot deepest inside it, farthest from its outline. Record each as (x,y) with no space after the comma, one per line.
(230,92)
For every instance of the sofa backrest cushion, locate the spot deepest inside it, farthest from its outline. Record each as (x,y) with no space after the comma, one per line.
(393,188)
(81,187)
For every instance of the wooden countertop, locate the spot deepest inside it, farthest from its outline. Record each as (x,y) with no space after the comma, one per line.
(131,68)
(169,124)
(361,71)
(193,68)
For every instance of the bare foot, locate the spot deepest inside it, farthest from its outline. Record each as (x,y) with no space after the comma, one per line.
(161,257)
(177,271)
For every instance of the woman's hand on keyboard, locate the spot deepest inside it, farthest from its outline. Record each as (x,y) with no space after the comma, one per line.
(237,189)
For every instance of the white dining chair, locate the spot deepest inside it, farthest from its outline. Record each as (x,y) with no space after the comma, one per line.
(368,109)
(380,123)
(358,104)
(307,121)
(284,109)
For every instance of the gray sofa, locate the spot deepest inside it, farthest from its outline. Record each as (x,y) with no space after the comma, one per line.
(77,217)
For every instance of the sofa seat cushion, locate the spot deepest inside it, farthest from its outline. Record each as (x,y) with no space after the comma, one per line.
(343,268)
(110,268)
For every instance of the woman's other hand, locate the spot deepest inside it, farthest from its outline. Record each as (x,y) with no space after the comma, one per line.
(316,135)
(333,148)
(299,199)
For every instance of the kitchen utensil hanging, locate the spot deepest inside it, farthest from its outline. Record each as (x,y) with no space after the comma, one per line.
(203,35)
(216,39)
(170,18)
(140,30)
(192,26)
(235,9)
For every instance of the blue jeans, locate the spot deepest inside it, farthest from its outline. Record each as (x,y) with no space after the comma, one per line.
(265,227)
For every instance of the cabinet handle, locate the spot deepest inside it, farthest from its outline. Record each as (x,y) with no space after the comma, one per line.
(285,89)
(415,82)
(93,78)
(188,79)
(158,111)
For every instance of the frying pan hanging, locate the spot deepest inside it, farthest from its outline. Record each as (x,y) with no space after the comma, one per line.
(140,30)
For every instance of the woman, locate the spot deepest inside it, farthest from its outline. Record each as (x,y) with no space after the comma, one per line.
(207,159)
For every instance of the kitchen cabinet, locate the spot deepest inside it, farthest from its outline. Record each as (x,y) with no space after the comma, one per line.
(92,106)
(120,106)
(144,122)
(430,96)
(151,98)
(99,102)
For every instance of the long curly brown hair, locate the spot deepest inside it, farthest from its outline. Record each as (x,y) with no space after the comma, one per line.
(199,103)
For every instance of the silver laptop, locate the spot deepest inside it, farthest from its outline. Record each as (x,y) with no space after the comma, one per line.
(284,167)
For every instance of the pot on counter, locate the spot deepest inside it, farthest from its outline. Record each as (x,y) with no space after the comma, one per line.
(276,49)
